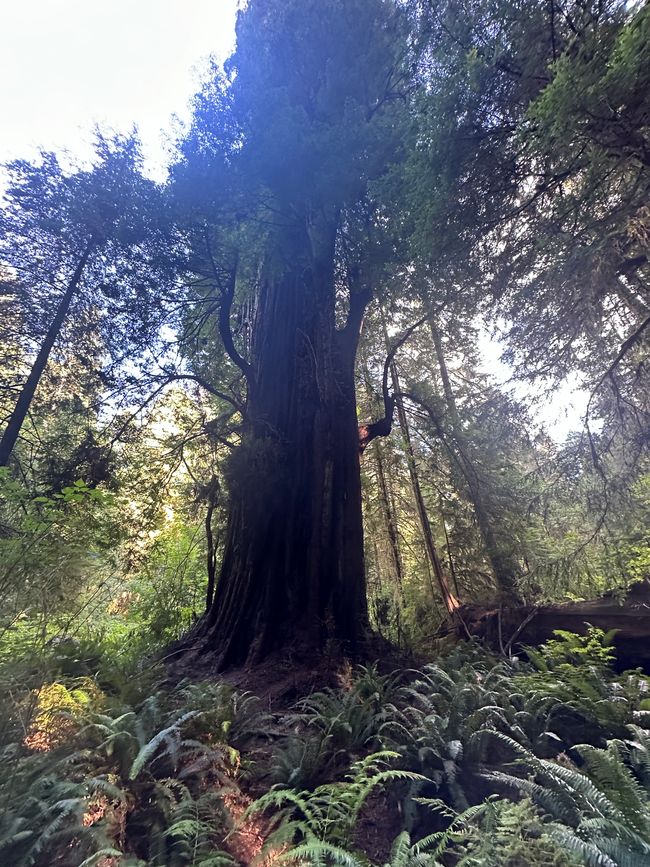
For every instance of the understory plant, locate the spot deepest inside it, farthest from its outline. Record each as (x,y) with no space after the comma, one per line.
(461,760)
(145,784)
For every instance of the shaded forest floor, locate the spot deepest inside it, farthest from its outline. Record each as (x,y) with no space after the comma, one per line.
(471,759)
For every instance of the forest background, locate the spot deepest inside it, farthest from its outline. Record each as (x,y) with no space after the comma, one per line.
(357,197)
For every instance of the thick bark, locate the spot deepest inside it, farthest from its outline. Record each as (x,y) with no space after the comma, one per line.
(293,571)
(12,431)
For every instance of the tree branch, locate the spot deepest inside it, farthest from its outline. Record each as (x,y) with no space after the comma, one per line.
(227,288)
(627,344)
(383,427)
(172,377)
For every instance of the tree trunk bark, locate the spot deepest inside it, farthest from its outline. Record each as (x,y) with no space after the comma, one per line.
(211,557)
(293,570)
(26,396)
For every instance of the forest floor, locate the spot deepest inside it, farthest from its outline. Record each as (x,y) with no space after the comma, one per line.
(282,683)
(465,758)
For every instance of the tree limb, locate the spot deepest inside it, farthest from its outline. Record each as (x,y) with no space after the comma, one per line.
(172,377)
(358,302)
(227,288)
(627,344)
(383,427)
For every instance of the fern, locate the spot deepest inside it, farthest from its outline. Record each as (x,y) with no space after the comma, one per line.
(194,830)
(130,760)
(303,761)
(230,716)
(101,855)
(324,820)
(601,813)
(169,737)
(321,854)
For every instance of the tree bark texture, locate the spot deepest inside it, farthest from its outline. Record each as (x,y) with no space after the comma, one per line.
(293,571)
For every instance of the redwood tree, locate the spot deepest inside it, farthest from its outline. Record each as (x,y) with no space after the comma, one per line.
(277,178)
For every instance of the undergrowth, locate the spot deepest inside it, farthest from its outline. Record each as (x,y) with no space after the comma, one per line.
(468,762)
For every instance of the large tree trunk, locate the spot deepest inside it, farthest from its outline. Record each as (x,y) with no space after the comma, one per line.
(293,571)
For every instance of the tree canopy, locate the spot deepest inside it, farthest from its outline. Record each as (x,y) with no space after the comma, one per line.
(250,423)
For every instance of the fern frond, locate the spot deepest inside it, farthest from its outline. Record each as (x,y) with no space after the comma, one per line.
(98,856)
(167,735)
(319,854)
(588,852)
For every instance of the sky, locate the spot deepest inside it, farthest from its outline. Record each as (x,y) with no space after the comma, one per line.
(66,65)
(557,407)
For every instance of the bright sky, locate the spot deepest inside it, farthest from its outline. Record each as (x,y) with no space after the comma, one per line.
(66,65)
(560,412)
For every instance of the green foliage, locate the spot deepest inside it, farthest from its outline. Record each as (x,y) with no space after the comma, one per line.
(454,725)
(50,553)
(333,726)
(165,595)
(602,812)
(510,834)
(352,717)
(154,781)
(322,822)
(303,760)
(462,712)
(575,673)
(593,650)
(635,548)
(145,781)
(484,163)
(232,717)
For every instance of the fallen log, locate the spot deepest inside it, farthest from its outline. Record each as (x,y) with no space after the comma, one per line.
(507,629)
